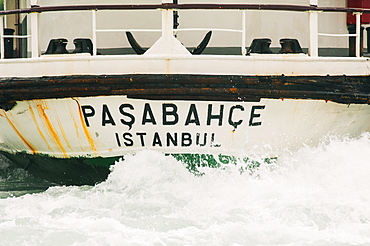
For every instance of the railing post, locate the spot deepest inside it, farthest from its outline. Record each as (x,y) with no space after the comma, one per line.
(358,34)
(313,49)
(95,49)
(244,24)
(35,50)
(167,21)
(34,26)
(167,44)
(2,48)
(314,3)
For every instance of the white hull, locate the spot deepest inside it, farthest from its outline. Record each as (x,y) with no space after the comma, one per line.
(101,126)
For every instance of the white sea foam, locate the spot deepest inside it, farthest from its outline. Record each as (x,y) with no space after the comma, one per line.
(315,196)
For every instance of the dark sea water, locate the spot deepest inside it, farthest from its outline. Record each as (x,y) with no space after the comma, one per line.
(17,182)
(314,196)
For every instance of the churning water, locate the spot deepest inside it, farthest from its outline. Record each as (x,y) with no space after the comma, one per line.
(314,196)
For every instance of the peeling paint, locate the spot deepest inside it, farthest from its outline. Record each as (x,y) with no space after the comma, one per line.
(22,112)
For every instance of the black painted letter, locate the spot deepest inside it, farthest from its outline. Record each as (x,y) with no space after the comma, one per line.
(172,113)
(87,114)
(186,139)
(211,116)
(231,122)
(204,141)
(141,135)
(157,140)
(171,139)
(132,118)
(107,117)
(148,110)
(253,115)
(192,112)
(128,139)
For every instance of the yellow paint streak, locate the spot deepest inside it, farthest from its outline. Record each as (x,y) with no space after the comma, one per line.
(50,128)
(29,145)
(86,131)
(38,127)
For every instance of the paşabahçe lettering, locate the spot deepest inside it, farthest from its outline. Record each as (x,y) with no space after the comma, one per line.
(171,114)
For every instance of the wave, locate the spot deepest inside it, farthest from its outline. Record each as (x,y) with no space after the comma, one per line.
(314,196)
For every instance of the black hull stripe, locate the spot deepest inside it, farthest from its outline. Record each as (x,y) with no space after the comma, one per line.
(340,89)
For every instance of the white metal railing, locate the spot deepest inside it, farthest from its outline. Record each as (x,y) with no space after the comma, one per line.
(167,21)
(33,36)
(95,31)
(357,34)
(242,31)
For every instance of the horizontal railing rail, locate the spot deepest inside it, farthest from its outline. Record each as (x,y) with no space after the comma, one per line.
(299,8)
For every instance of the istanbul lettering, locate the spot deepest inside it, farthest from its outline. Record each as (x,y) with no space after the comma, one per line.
(169,114)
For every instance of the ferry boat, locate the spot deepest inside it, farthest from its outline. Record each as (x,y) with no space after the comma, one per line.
(82,85)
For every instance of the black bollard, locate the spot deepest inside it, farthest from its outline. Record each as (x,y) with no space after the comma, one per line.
(290,45)
(260,46)
(83,45)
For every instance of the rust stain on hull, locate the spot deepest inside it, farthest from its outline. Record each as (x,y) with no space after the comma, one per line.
(75,124)
(86,131)
(28,144)
(38,127)
(41,108)
(61,129)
